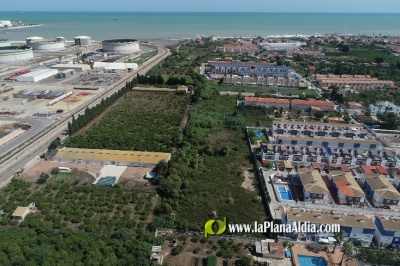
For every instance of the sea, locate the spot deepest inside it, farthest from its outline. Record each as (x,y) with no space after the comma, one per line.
(158,25)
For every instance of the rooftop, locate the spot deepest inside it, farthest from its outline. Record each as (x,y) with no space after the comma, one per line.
(312,181)
(346,184)
(20,211)
(317,123)
(266,100)
(392,225)
(317,217)
(330,140)
(113,155)
(313,102)
(382,186)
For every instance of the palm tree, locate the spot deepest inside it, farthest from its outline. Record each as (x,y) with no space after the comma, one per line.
(339,239)
(347,250)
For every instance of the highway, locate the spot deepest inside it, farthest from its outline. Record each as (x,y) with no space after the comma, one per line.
(39,142)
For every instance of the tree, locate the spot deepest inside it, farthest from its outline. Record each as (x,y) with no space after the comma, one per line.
(245,261)
(347,250)
(176,250)
(339,237)
(55,171)
(319,114)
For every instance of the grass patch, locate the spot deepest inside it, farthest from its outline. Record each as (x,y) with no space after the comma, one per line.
(62,177)
(144,121)
(143,57)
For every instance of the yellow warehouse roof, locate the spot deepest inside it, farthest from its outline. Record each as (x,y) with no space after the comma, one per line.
(113,155)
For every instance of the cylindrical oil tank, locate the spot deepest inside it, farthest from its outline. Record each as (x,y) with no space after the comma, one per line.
(83,40)
(121,46)
(47,46)
(12,54)
(33,39)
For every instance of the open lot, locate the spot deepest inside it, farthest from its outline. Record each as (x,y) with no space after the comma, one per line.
(22,107)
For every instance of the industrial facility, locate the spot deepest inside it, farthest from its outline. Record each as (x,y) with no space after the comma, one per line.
(76,67)
(83,40)
(115,66)
(4,43)
(38,43)
(37,75)
(13,54)
(121,46)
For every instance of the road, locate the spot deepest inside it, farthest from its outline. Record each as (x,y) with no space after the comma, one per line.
(22,157)
(38,125)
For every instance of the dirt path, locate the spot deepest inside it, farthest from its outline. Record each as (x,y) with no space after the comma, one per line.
(248,180)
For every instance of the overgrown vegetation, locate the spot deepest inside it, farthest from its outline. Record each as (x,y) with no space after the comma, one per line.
(75,225)
(144,121)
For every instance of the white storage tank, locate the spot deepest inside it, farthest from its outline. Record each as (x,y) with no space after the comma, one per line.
(30,40)
(47,45)
(12,54)
(121,46)
(83,40)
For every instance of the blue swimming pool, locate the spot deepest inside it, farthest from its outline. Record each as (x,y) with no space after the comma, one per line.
(311,261)
(258,133)
(285,194)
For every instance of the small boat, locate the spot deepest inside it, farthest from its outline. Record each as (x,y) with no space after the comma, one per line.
(115,19)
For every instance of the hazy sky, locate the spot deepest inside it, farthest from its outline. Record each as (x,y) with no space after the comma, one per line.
(331,6)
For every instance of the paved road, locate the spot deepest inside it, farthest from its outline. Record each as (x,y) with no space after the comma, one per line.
(38,125)
(20,159)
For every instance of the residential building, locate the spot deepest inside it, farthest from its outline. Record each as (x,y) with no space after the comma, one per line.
(357,228)
(388,232)
(307,104)
(266,102)
(348,190)
(329,142)
(237,48)
(353,82)
(313,53)
(281,46)
(314,187)
(333,156)
(383,193)
(20,213)
(310,129)
(358,108)
(221,68)
(382,107)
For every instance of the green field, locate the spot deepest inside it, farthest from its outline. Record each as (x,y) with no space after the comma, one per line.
(143,57)
(142,121)
(362,54)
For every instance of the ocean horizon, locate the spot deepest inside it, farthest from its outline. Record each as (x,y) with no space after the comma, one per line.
(179,25)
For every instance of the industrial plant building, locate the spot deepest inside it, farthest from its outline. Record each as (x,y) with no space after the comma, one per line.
(121,46)
(37,75)
(361,82)
(83,40)
(13,54)
(75,67)
(111,157)
(115,66)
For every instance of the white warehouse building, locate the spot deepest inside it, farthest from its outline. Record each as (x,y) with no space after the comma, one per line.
(115,66)
(37,75)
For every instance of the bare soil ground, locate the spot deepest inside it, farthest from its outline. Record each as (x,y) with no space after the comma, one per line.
(32,174)
(248,180)
(133,177)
